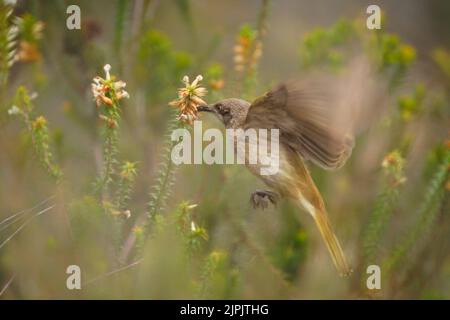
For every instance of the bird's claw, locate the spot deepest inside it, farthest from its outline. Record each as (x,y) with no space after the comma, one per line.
(262,198)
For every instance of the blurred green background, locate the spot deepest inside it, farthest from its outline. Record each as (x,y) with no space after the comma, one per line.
(192,232)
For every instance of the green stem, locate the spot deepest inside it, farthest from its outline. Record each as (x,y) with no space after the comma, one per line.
(165,178)
(426,216)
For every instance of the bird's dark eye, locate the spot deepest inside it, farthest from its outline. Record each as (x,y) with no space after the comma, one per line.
(221,109)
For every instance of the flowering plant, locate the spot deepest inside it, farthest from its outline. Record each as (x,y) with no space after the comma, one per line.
(189,98)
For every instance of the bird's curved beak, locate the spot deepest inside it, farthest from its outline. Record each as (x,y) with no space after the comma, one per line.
(210,109)
(205,108)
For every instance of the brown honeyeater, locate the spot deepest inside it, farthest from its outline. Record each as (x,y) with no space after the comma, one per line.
(305,116)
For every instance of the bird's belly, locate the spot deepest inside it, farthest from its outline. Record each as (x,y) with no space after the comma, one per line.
(283,181)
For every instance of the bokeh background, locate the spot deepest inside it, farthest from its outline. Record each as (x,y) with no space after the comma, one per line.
(192,232)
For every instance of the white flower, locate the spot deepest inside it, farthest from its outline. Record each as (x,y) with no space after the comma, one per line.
(105,91)
(118,85)
(97,80)
(193,227)
(33,95)
(196,81)
(14,110)
(107,68)
(186,118)
(123,94)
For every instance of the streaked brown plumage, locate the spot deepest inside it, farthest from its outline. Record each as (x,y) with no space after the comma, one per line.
(303,112)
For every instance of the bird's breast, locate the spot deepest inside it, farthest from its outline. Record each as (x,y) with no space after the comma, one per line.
(283,177)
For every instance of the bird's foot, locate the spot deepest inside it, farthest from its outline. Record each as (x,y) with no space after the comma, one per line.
(262,198)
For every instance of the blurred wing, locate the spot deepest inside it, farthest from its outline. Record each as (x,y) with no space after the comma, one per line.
(308,124)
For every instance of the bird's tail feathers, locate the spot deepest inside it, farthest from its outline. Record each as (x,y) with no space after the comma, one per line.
(322,221)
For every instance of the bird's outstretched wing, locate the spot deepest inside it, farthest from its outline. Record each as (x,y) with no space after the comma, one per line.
(306,116)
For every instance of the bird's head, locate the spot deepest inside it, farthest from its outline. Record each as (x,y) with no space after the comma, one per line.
(231,112)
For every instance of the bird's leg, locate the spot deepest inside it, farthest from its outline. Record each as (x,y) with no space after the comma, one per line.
(262,198)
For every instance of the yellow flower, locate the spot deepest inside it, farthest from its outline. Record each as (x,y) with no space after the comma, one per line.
(138,230)
(39,123)
(407,53)
(128,170)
